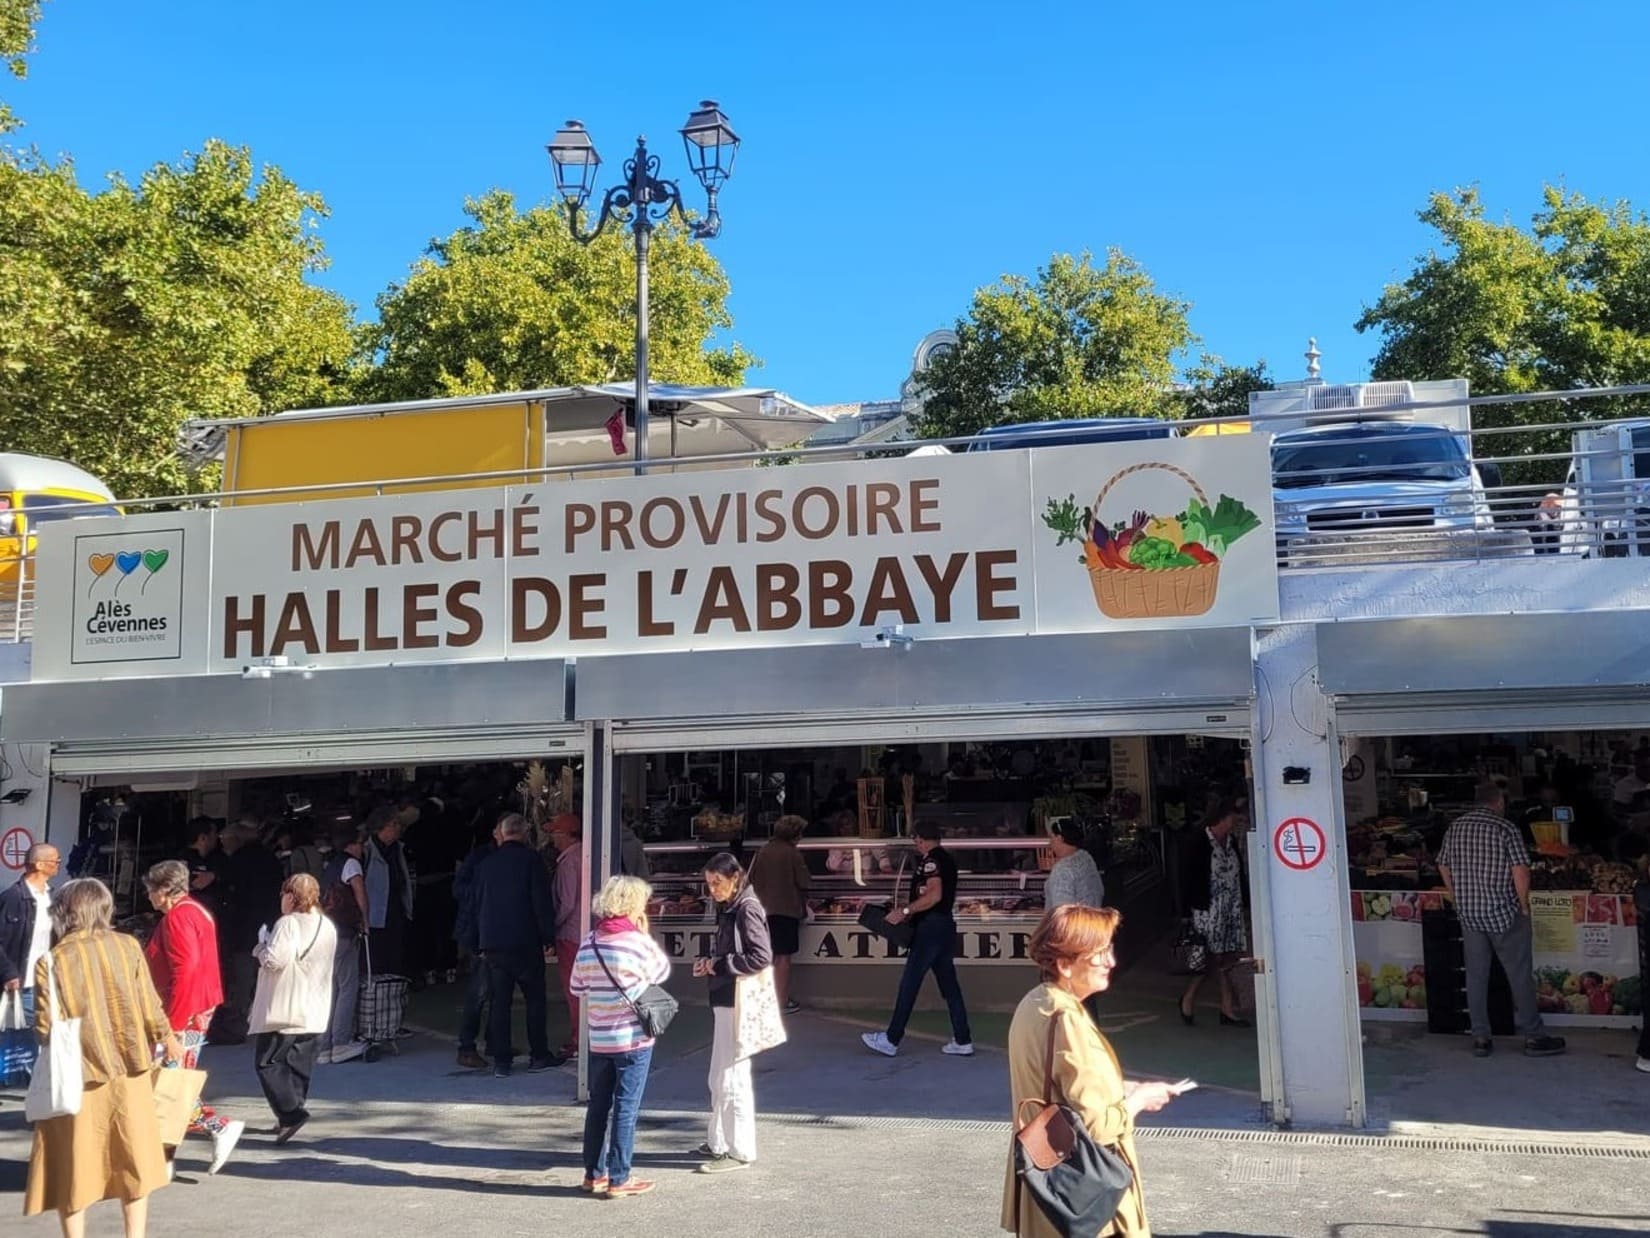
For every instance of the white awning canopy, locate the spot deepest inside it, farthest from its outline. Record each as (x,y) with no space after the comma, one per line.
(683,421)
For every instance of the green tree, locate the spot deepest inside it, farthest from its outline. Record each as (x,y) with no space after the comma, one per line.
(126,312)
(513,302)
(1563,303)
(17,21)
(1215,389)
(1078,340)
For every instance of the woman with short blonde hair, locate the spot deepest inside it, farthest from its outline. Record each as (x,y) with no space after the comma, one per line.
(294,1001)
(111,1148)
(613,966)
(1072,948)
(624,897)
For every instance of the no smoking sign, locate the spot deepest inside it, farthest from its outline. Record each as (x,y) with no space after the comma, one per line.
(14,848)
(1299,844)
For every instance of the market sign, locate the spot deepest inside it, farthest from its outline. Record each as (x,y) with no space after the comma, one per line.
(1069,539)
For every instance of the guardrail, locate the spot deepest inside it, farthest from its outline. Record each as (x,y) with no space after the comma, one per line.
(1499,491)
(16,600)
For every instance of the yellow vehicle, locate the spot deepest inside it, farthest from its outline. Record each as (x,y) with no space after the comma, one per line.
(370,448)
(35,491)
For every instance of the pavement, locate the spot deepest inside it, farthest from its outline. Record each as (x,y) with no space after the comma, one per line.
(849,1143)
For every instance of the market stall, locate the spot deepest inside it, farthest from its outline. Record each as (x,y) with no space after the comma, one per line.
(1584,842)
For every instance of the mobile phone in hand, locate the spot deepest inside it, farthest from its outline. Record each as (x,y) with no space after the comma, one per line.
(1184,1086)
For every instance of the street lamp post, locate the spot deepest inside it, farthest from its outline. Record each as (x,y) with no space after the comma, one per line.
(644,201)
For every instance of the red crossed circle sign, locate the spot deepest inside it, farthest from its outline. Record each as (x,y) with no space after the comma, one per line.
(1299,843)
(14,847)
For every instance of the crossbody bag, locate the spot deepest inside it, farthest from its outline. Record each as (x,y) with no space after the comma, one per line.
(655,1008)
(1077,1184)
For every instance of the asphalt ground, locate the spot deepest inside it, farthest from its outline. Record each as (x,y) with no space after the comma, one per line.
(849,1143)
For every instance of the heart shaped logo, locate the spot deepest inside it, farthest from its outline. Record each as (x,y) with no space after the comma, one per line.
(100,563)
(154,560)
(127,561)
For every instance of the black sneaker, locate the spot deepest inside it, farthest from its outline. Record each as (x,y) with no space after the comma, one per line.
(1482,1047)
(1544,1046)
(501,1070)
(548,1062)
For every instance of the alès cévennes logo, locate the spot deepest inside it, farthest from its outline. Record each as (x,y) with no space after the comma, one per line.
(111,575)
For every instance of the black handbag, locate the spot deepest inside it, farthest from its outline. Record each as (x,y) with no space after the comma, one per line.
(874,916)
(1077,1184)
(655,1008)
(1189,952)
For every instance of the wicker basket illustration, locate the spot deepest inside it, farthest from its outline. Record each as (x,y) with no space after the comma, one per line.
(1145,593)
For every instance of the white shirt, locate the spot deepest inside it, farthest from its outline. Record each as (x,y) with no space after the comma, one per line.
(352,870)
(41,942)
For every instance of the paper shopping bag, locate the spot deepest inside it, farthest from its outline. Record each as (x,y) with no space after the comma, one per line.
(177,1094)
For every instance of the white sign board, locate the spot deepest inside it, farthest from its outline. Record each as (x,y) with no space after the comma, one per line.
(1069,539)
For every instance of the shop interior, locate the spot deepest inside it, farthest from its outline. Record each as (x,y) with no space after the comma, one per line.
(995,799)
(447,810)
(1581,800)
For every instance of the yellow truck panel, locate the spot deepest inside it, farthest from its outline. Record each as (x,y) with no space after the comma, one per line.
(282,452)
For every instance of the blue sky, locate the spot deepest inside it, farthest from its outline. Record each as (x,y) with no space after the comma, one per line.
(1263,160)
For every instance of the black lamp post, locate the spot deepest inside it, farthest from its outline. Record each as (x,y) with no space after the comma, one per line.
(644,201)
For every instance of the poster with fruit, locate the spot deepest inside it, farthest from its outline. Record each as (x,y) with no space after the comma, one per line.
(1166,532)
(1586,956)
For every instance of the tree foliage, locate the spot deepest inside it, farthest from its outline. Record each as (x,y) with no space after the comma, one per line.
(1077,340)
(512,302)
(126,312)
(17,22)
(1563,303)
(1214,388)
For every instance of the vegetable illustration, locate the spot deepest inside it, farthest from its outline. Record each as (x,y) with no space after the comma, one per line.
(1152,565)
(1195,537)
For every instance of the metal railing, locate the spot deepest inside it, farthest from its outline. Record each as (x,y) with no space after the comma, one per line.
(16,600)
(1500,492)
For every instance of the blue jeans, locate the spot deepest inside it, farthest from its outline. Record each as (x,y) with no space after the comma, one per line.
(19,1049)
(933,949)
(616,1083)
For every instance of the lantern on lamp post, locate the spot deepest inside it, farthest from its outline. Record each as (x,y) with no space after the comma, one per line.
(643,201)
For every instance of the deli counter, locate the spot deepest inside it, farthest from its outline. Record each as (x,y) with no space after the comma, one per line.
(999,895)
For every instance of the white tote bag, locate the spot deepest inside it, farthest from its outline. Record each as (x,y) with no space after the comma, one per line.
(58,1083)
(757,1023)
(287,1004)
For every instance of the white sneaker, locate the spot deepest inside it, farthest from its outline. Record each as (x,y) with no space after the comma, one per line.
(956,1050)
(878,1042)
(1643,1064)
(349,1052)
(223,1143)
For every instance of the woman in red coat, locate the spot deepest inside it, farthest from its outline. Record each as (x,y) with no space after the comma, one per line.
(183,959)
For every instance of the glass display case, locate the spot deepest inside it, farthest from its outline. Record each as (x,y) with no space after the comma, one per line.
(999,895)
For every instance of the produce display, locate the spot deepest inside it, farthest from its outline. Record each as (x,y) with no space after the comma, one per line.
(1561,991)
(1390,987)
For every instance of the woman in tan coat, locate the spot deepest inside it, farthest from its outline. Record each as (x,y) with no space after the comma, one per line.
(1072,947)
(111,1149)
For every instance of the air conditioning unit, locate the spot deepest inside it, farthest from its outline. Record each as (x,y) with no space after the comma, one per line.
(1332,397)
(1350,397)
(1385,395)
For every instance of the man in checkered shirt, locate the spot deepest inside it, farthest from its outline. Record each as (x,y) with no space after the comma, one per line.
(1487,873)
